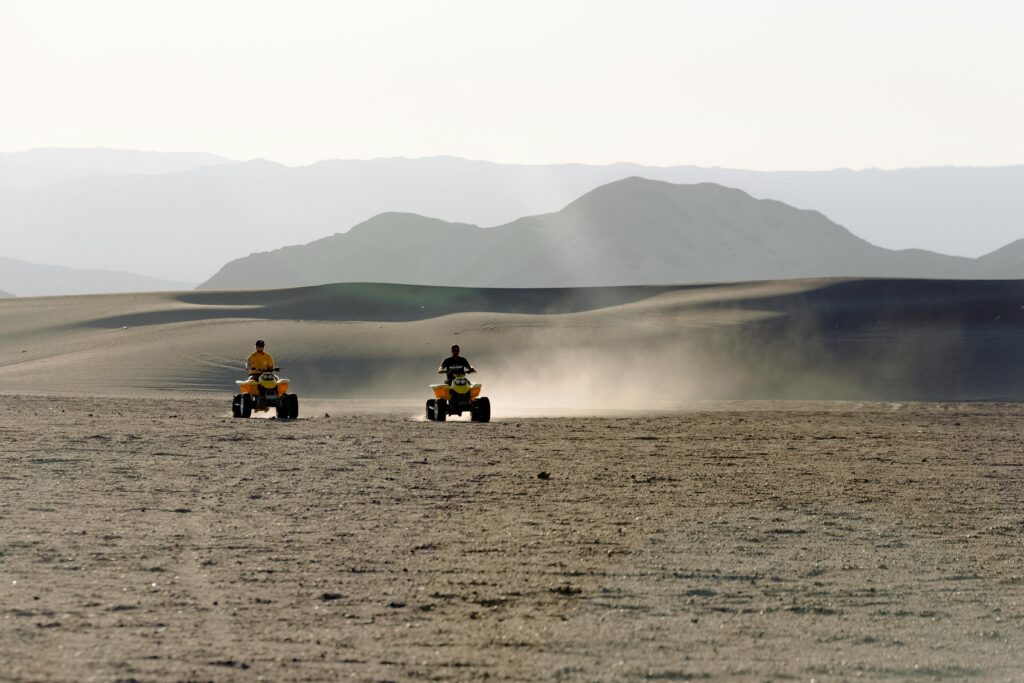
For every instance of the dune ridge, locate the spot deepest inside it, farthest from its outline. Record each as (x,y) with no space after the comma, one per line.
(630,347)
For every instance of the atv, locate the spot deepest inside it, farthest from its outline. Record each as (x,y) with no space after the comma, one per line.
(263,391)
(455,398)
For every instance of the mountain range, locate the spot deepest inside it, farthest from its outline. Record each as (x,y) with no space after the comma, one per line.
(181,217)
(629,232)
(21,278)
(36,168)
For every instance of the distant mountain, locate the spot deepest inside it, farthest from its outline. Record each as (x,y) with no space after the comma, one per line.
(36,168)
(633,231)
(32,279)
(1006,262)
(187,224)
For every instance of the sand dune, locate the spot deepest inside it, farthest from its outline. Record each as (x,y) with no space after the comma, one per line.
(149,536)
(595,348)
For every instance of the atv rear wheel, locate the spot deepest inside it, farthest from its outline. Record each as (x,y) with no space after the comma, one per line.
(245,409)
(430,408)
(481,411)
(440,410)
(293,407)
(236,405)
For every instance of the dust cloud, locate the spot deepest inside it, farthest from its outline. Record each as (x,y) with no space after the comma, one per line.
(673,369)
(587,381)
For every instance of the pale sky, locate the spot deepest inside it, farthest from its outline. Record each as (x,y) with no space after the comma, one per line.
(787,84)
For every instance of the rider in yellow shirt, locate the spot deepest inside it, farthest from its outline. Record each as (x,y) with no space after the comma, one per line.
(259,360)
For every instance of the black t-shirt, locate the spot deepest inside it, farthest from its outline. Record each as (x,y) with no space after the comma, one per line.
(453,365)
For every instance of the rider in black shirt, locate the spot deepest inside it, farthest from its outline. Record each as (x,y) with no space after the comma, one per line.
(449,366)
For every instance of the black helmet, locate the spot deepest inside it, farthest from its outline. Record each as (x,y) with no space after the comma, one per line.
(260,342)
(455,347)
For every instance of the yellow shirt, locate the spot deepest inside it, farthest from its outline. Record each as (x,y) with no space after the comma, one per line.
(259,361)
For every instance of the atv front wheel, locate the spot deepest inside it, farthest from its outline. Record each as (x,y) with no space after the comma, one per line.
(293,407)
(283,408)
(245,410)
(440,410)
(481,411)
(430,408)
(236,405)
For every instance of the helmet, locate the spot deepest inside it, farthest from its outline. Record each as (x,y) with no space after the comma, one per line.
(260,342)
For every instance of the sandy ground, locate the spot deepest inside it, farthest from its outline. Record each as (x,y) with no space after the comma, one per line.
(154,539)
(145,535)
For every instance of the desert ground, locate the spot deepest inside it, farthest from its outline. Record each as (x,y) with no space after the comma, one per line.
(657,498)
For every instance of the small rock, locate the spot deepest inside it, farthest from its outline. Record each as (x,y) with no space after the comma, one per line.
(543,475)
(331,596)
(223,662)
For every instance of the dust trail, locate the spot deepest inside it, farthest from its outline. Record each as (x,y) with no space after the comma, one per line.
(587,381)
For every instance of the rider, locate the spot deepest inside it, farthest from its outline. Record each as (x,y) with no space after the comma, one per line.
(259,361)
(454,364)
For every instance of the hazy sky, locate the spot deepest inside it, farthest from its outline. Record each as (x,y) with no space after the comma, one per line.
(805,84)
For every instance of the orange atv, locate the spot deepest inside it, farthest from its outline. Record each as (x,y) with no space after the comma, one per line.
(263,391)
(461,395)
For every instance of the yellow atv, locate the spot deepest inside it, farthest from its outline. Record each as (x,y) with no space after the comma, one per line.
(454,399)
(263,391)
